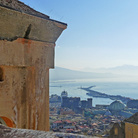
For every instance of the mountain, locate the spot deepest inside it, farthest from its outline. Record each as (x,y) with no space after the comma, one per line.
(125,68)
(129,70)
(66,74)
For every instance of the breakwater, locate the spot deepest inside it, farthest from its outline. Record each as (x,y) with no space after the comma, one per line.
(97,94)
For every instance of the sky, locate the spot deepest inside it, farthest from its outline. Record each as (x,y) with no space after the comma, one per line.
(100,33)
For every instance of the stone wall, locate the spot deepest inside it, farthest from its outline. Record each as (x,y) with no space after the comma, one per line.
(24,90)
(14,24)
(27,46)
(6,132)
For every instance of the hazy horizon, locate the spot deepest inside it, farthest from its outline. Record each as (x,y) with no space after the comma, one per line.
(111,67)
(117,74)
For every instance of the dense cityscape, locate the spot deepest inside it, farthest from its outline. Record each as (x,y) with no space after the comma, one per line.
(73,115)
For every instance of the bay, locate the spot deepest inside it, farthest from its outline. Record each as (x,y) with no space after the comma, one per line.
(127,89)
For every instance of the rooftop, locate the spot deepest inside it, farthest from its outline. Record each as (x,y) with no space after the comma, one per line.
(116,105)
(133,119)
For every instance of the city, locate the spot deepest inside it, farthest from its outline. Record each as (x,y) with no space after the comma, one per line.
(73,115)
(68,69)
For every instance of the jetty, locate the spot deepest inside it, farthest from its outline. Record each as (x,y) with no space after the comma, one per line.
(97,94)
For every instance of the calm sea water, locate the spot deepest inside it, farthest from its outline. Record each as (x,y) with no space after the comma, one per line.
(128,89)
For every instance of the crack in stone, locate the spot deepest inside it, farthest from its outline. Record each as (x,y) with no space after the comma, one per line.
(28,32)
(9,39)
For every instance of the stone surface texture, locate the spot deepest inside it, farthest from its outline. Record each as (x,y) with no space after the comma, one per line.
(24,92)
(27,45)
(14,24)
(6,132)
(20,6)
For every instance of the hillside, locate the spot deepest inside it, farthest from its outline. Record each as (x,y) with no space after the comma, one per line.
(66,74)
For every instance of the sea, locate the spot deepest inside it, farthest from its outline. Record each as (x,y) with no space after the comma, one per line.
(127,89)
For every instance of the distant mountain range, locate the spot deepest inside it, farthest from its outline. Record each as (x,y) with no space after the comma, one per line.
(121,70)
(126,72)
(66,74)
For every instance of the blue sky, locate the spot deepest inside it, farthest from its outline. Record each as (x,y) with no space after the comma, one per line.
(100,33)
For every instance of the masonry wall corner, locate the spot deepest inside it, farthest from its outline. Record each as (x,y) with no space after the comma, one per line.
(27,46)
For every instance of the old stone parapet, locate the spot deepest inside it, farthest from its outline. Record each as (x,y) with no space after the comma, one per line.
(6,132)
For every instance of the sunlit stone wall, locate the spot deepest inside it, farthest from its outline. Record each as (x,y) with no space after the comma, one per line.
(27,44)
